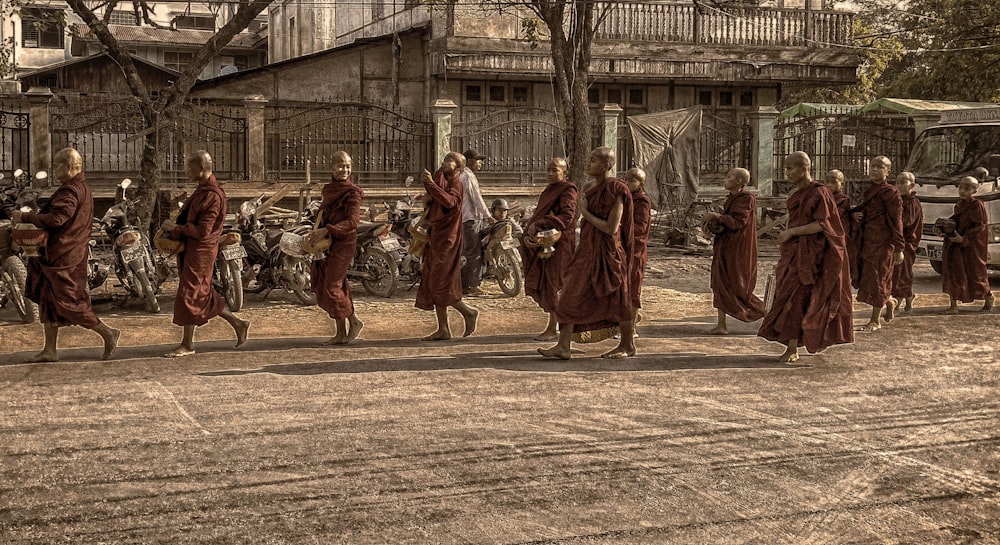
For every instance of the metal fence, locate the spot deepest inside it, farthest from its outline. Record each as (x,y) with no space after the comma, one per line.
(520,140)
(15,141)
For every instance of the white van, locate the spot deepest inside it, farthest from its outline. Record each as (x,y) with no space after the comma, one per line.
(944,153)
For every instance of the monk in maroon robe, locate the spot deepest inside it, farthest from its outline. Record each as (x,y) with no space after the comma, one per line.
(596,300)
(441,278)
(642,220)
(913,227)
(879,240)
(543,274)
(734,254)
(57,280)
(199,227)
(835,182)
(965,277)
(340,215)
(812,300)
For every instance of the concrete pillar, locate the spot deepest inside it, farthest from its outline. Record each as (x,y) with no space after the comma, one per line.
(924,120)
(609,127)
(762,155)
(255,137)
(441,114)
(40,130)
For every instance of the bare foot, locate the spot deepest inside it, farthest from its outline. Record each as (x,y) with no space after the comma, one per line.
(909,305)
(179,352)
(470,322)
(869,327)
(241,332)
(988,306)
(619,353)
(43,357)
(555,352)
(355,328)
(890,309)
(335,340)
(438,335)
(718,330)
(111,344)
(546,336)
(789,356)
(950,310)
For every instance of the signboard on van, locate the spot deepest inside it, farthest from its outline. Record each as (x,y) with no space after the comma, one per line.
(971,115)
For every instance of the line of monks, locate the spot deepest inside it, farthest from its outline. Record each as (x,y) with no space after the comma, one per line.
(590,288)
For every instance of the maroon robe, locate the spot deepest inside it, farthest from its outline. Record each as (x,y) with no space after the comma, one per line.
(57,281)
(913,227)
(642,218)
(965,276)
(812,300)
(595,291)
(341,210)
(734,260)
(441,279)
(199,227)
(880,236)
(843,201)
(556,209)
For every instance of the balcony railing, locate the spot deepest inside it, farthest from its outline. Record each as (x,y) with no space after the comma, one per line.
(684,23)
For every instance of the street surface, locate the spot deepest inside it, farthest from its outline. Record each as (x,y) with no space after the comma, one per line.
(697,440)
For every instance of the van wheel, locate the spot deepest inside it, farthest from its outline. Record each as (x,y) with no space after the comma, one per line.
(937,266)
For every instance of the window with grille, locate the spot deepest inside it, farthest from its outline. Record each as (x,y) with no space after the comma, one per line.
(41,28)
(177,60)
(119,17)
(194,22)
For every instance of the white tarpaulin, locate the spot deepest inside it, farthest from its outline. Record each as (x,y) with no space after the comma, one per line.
(667,148)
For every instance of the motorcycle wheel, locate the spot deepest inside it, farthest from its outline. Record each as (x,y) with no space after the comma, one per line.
(383,271)
(508,273)
(232,284)
(14,276)
(148,293)
(302,273)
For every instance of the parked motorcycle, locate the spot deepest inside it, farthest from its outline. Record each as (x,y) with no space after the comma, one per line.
(267,266)
(133,258)
(401,216)
(16,193)
(228,275)
(501,259)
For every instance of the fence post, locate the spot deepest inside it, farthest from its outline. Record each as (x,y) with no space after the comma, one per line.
(609,124)
(762,155)
(441,114)
(922,121)
(40,131)
(255,137)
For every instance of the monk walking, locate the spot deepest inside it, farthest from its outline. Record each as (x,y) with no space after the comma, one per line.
(965,277)
(199,227)
(879,240)
(543,273)
(596,300)
(57,280)
(441,279)
(734,255)
(642,220)
(812,300)
(340,213)
(913,227)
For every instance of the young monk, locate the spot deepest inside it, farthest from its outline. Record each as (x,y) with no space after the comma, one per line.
(913,226)
(441,284)
(835,182)
(812,300)
(879,239)
(596,297)
(340,215)
(642,214)
(734,255)
(965,277)
(556,209)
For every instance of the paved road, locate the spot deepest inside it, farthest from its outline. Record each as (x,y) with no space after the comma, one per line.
(699,440)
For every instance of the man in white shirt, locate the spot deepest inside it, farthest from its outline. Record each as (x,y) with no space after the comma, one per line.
(475,215)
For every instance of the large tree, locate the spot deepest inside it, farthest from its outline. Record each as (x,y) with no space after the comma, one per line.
(157,112)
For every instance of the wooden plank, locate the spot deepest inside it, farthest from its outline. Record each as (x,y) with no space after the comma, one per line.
(278,195)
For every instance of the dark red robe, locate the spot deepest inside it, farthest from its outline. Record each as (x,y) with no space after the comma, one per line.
(642,218)
(341,210)
(734,260)
(595,291)
(843,201)
(812,300)
(199,226)
(880,236)
(965,276)
(556,209)
(913,227)
(441,279)
(57,280)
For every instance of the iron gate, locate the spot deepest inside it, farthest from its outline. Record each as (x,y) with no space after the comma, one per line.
(15,141)
(521,141)
(105,130)
(219,129)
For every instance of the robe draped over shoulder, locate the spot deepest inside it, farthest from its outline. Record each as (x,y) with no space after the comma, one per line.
(812,301)
(57,280)
(341,210)
(441,279)
(880,235)
(965,276)
(556,209)
(199,227)
(642,210)
(913,227)
(734,260)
